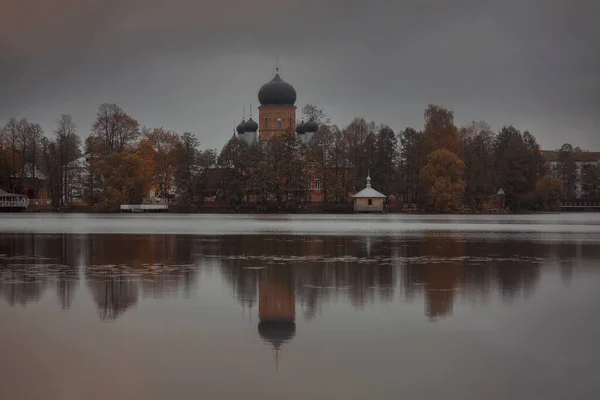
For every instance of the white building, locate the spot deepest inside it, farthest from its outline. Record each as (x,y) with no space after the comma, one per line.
(582,160)
(368,199)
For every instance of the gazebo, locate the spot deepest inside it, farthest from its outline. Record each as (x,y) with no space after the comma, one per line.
(368,199)
(11,201)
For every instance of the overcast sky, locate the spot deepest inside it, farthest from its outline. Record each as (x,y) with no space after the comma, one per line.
(190,65)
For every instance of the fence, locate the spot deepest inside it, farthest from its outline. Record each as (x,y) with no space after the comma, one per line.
(14,202)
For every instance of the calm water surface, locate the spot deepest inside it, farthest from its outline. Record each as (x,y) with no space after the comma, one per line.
(297,307)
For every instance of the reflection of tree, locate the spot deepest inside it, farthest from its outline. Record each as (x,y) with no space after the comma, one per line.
(156,265)
(441,276)
(31,263)
(117,268)
(113,295)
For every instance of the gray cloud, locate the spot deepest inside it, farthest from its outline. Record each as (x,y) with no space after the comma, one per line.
(190,66)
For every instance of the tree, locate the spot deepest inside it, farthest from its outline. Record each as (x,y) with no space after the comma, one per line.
(590,182)
(11,130)
(191,170)
(115,128)
(232,164)
(316,114)
(518,164)
(442,180)
(68,146)
(124,178)
(477,141)
(164,157)
(386,158)
(440,132)
(287,166)
(568,171)
(412,159)
(548,193)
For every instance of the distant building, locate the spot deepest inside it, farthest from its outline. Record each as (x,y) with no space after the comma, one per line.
(276,114)
(583,159)
(368,199)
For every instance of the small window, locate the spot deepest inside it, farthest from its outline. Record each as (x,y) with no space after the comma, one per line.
(290,123)
(278,123)
(370,202)
(318,184)
(309,185)
(266,123)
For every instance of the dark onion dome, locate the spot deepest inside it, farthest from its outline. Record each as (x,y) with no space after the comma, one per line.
(251,126)
(241,127)
(277,332)
(277,92)
(301,128)
(311,126)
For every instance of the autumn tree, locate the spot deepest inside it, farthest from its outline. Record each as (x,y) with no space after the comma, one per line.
(164,158)
(548,193)
(442,180)
(115,128)
(123,177)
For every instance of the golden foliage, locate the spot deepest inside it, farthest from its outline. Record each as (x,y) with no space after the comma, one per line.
(442,180)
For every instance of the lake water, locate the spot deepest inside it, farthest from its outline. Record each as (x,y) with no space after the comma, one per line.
(299,307)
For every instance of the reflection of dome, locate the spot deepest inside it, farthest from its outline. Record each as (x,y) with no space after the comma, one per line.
(277,332)
(251,125)
(277,92)
(241,127)
(301,128)
(311,126)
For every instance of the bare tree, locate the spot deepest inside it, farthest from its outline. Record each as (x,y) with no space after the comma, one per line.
(115,128)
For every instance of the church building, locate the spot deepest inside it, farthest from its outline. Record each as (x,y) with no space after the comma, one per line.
(276,114)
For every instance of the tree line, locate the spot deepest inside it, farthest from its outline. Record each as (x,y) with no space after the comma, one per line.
(439,167)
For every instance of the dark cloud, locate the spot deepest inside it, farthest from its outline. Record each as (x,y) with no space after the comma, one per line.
(189,65)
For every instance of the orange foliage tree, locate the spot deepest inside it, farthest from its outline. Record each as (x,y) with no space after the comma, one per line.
(124,177)
(442,180)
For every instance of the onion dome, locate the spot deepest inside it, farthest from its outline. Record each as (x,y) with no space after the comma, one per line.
(277,332)
(277,92)
(241,127)
(311,126)
(251,126)
(301,128)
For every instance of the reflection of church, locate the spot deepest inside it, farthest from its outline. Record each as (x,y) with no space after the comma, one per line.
(276,114)
(277,308)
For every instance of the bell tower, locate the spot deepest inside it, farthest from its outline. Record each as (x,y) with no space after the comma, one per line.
(277,111)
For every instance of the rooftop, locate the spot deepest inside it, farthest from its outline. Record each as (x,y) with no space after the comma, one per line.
(580,156)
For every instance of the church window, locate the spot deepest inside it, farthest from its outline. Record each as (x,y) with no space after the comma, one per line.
(309,186)
(290,123)
(266,123)
(278,123)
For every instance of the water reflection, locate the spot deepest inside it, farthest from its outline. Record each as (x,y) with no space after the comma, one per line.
(278,274)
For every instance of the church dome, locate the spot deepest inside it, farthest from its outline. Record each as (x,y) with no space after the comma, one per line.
(301,128)
(311,126)
(241,128)
(251,126)
(277,92)
(277,332)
